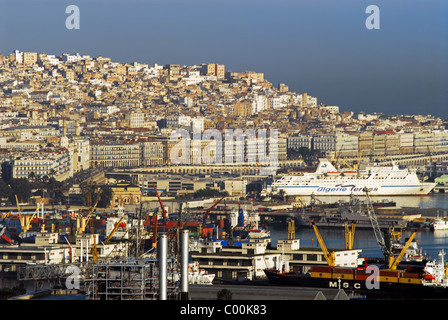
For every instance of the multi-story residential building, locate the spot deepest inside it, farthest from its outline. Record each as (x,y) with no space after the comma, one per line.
(365,143)
(423,142)
(152,153)
(325,143)
(379,144)
(346,145)
(81,154)
(243,108)
(300,141)
(406,142)
(41,96)
(260,103)
(392,146)
(213,69)
(136,119)
(440,141)
(117,154)
(56,164)
(29,58)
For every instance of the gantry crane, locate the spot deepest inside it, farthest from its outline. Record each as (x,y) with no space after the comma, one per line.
(329,256)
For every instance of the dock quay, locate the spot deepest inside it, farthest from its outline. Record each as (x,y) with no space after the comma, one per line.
(259,292)
(41,294)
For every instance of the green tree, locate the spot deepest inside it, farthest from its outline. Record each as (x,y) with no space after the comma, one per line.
(106,197)
(20,187)
(209,193)
(5,190)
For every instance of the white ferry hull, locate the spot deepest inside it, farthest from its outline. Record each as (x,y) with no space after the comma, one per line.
(357,190)
(377,180)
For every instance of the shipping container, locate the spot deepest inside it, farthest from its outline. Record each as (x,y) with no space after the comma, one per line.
(410,280)
(321,269)
(326,275)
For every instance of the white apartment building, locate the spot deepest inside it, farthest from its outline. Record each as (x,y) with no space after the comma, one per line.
(118,154)
(300,141)
(346,144)
(423,142)
(325,143)
(152,152)
(259,103)
(81,154)
(440,141)
(71,57)
(277,102)
(57,165)
(136,119)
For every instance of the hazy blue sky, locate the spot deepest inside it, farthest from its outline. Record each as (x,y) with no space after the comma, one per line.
(317,46)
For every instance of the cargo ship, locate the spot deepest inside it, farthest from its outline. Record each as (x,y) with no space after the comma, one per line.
(413,281)
(328,181)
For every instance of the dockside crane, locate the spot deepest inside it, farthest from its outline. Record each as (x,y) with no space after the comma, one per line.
(291,230)
(349,235)
(329,256)
(25,220)
(114,230)
(393,262)
(205,216)
(81,222)
(376,228)
(165,215)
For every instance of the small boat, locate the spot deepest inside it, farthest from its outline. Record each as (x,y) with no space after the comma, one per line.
(440,224)
(196,275)
(435,273)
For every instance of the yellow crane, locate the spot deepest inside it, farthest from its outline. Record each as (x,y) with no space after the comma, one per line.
(291,230)
(393,262)
(113,230)
(25,220)
(329,256)
(349,235)
(81,222)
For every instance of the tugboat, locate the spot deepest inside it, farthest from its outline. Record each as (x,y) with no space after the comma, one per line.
(440,224)
(196,275)
(245,225)
(436,273)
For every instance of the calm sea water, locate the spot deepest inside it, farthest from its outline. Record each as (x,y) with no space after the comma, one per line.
(431,242)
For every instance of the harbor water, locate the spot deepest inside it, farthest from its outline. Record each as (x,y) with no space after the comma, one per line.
(430,241)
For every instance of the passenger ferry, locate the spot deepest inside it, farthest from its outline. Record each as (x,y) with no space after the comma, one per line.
(328,181)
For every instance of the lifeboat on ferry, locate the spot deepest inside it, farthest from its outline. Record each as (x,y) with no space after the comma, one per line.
(333,173)
(350,173)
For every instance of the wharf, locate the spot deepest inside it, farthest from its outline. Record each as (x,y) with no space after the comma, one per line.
(45,294)
(259,292)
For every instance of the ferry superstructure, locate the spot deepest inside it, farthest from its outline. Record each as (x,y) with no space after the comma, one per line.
(327,180)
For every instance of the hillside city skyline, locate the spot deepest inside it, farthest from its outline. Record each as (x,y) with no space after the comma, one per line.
(400,68)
